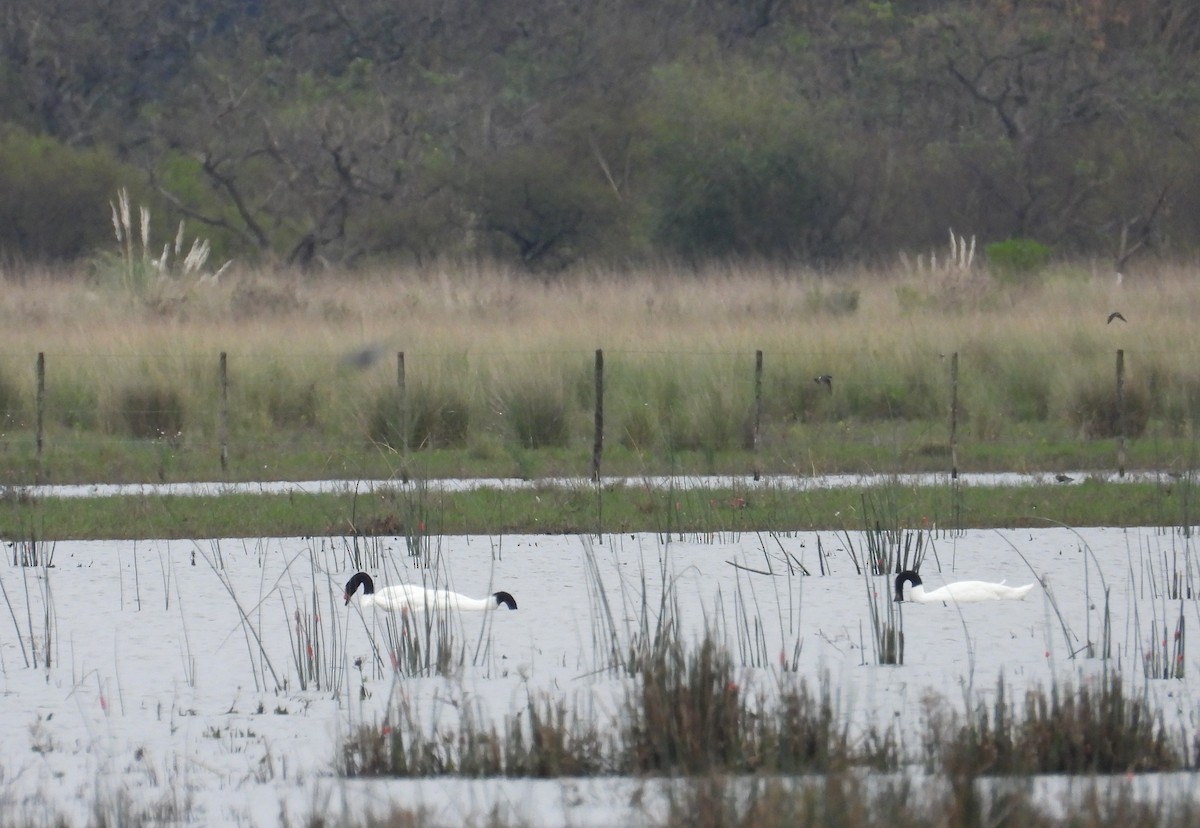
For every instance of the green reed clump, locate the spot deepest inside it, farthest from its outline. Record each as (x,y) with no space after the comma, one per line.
(538,412)
(554,742)
(151,411)
(687,714)
(73,404)
(891,547)
(683,713)
(423,644)
(1097,413)
(1096,728)
(848,800)
(286,400)
(887,624)
(11,404)
(544,740)
(1165,655)
(680,405)
(835,800)
(433,417)
(315,637)
(913,393)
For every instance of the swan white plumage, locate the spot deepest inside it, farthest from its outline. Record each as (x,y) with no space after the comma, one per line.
(959,592)
(414,598)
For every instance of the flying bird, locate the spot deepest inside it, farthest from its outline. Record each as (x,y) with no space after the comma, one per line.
(826,380)
(1114,315)
(1063,478)
(365,357)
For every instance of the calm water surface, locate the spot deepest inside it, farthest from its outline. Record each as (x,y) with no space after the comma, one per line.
(178,675)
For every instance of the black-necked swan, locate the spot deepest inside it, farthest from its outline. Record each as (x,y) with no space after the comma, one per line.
(418,598)
(959,592)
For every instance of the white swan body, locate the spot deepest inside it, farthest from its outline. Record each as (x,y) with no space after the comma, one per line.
(414,598)
(959,592)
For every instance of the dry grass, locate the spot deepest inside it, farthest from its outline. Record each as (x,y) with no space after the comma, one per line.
(448,310)
(679,352)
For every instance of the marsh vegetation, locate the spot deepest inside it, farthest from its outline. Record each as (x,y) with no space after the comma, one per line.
(285,376)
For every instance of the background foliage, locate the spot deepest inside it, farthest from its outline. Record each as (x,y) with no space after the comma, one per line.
(554,132)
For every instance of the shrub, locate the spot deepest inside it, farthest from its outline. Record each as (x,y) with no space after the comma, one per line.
(909,397)
(840,302)
(1016,260)
(151,411)
(1027,395)
(638,428)
(1095,413)
(766,189)
(1093,729)
(53,198)
(289,403)
(72,404)
(253,298)
(538,415)
(436,419)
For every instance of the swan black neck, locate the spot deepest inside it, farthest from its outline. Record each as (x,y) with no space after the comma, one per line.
(906,576)
(360,579)
(503,599)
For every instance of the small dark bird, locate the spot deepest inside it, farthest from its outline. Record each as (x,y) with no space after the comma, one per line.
(364,358)
(826,380)
(1063,478)
(1114,315)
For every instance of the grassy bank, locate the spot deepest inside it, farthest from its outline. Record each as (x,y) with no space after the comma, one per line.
(587,509)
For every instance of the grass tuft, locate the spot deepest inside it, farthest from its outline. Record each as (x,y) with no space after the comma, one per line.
(151,411)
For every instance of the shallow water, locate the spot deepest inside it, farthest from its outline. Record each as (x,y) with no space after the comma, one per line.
(797,482)
(173,681)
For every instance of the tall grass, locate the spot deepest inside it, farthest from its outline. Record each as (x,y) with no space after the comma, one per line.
(493,359)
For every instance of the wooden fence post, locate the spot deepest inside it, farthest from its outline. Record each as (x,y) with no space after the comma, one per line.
(402,394)
(954,416)
(41,406)
(1120,413)
(598,437)
(758,409)
(223,415)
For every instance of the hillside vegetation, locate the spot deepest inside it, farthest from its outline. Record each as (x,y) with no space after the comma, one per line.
(546,134)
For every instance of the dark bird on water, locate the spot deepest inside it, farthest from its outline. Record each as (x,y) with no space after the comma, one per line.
(1063,478)
(826,380)
(1114,315)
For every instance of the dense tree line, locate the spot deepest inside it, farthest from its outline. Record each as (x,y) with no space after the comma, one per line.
(352,131)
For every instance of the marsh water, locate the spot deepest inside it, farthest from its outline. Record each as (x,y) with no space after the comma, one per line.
(177,677)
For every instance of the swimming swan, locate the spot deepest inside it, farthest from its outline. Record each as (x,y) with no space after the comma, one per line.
(959,592)
(418,598)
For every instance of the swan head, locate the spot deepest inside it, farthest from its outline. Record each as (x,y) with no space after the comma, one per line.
(503,599)
(360,579)
(906,576)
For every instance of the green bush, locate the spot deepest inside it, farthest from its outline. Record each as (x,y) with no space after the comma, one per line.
(289,402)
(436,419)
(908,397)
(54,199)
(737,169)
(1017,260)
(1094,411)
(73,405)
(542,208)
(1027,396)
(538,415)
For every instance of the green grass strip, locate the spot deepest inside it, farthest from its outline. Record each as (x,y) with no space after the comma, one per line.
(585,509)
